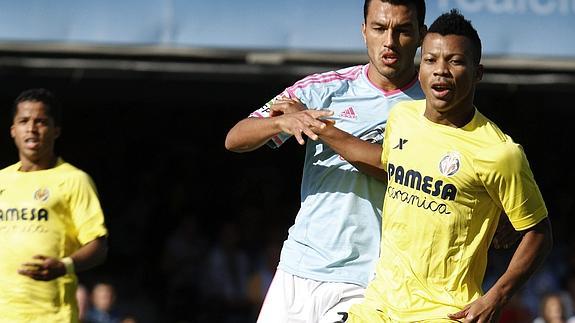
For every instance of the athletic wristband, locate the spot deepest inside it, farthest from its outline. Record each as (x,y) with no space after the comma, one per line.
(69,263)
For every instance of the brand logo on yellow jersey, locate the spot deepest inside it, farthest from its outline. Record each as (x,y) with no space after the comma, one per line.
(400,144)
(24,214)
(421,182)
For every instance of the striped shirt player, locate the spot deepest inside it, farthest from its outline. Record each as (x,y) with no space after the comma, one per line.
(336,234)
(446,189)
(52,212)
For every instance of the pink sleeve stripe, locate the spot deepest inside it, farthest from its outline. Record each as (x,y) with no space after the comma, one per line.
(257,114)
(329,76)
(325,78)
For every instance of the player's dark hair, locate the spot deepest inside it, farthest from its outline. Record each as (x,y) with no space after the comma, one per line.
(454,23)
(53,106)
(418,4)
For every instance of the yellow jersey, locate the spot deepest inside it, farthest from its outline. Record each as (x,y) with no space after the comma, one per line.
(51,212)
(446,190)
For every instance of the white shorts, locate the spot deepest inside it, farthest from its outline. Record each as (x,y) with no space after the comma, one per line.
(292,299)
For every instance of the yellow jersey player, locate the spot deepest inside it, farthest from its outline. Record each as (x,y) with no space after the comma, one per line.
(51,221)
(451,172)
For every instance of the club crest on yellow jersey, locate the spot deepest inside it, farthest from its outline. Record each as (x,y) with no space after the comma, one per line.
(42,194)
(450,163)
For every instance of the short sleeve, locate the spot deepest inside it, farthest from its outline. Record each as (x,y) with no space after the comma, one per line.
(85,208)
(508,178)
(264,112)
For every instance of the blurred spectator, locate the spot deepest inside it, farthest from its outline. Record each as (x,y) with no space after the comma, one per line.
(553,310)
(102,309)
(83,299)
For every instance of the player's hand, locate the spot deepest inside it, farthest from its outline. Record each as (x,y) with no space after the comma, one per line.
(284,105)
(302,122)
(483,310)
(295,119)
(43,268)
(505,235)
(325,129)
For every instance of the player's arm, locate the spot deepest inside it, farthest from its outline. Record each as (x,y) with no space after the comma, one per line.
(529,256)
(45,268)
(505,236)
(251,133)
(364,155)
(91,254)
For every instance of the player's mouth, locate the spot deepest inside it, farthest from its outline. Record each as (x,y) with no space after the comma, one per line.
(32,143)
(389,59)
(441,90)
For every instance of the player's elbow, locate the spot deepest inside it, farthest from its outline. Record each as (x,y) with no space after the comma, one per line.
(237,144)
(229,144)
(232,144)
(544,234)
(101,254)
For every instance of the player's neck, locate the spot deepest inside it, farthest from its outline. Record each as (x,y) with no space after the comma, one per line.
(454,117)
(392,83)
(27,165)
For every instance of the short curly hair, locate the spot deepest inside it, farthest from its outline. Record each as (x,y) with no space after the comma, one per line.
(454,23)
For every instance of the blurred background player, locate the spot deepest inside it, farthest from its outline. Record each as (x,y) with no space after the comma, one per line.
(51,221)
(329,255)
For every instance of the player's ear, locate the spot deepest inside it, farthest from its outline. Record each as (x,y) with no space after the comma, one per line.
(419,76)
(12,131)
(363,31)
(422,33)
(478,72)
(57,132)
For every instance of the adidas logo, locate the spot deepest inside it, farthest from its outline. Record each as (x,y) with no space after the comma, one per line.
(348,113)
